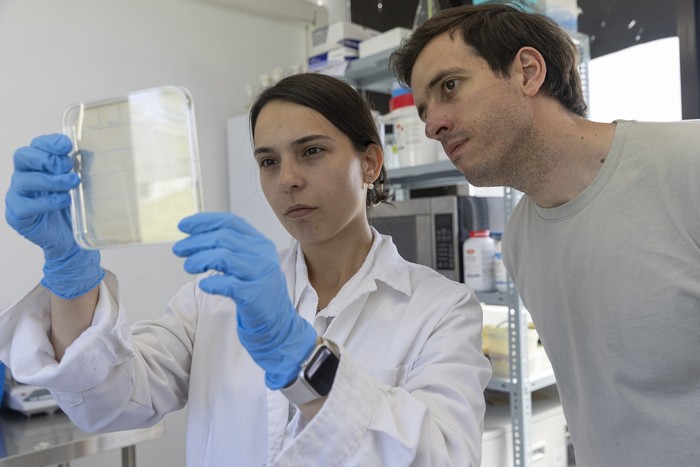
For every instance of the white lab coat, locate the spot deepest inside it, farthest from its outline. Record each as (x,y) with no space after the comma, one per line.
(408,391)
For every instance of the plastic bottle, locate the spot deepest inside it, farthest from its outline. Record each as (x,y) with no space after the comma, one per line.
(499,268)
(391,153)
(424,11)
(413,147)
(477,254)
(564,12)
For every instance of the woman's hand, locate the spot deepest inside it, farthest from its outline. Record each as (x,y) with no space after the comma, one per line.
(277,338)
(37,206)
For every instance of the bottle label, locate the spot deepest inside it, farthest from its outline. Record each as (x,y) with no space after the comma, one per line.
(473,264)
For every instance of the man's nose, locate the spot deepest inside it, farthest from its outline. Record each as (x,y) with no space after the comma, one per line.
(436,124)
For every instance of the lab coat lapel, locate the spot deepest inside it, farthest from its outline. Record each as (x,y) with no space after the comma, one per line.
(278,415)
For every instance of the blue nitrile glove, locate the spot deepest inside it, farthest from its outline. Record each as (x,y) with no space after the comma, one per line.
(277,338)
(37,205)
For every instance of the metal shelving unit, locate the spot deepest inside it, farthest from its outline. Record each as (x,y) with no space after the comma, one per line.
(371,73)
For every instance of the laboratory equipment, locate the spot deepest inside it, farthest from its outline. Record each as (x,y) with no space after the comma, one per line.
(27,399)
(424,11)
(138,161)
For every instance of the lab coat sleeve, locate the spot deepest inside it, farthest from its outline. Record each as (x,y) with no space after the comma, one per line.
(434,417)
(113,377)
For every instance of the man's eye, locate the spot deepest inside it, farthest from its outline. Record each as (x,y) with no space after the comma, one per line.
(266,162)
(450,85)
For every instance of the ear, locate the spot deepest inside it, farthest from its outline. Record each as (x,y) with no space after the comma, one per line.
(530,65)
(372,160)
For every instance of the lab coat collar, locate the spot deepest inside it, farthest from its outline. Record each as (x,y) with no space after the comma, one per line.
(383,263)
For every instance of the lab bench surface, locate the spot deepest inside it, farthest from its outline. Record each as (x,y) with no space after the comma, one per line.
(49,439)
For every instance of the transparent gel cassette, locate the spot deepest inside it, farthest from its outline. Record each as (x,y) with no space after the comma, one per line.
(138,163)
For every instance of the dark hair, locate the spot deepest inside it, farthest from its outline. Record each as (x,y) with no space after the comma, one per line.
(340,104)
(496,32)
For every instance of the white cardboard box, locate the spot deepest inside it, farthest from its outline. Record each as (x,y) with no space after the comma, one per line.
(340,33)
(384,41)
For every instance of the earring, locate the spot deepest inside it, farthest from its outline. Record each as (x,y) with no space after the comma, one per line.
(370,186)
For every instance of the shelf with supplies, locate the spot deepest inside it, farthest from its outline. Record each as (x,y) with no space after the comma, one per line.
(371,73)
(535,382)
(435,174)
(540,375)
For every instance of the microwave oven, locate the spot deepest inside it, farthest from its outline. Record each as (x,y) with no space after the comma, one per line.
(430,231)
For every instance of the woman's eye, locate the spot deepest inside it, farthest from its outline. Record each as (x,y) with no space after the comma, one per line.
(312,151)
(266,162)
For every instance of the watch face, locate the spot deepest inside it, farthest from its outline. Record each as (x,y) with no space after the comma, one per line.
(320,372)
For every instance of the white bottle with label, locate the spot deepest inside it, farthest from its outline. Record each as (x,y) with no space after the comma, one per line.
(499,269)
(477,254)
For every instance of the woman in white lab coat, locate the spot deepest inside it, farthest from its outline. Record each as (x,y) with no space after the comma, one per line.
(396,374)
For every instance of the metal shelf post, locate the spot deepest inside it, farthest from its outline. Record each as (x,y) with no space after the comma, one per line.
(520,396)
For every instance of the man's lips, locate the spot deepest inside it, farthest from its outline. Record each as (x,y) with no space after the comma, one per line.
(452,147)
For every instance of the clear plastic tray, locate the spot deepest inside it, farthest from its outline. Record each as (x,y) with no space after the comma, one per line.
(138,162)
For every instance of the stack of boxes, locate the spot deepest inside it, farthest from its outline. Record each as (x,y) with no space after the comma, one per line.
(385,41)
(335,45)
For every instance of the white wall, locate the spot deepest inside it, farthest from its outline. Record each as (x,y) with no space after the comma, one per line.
(54,53)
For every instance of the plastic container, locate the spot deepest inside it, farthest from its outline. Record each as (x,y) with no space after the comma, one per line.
(425,10)
(138,162)
(495,346)
(477,255)
(564,12)
(391,153)
(412,146)
(526,5)
(499,268)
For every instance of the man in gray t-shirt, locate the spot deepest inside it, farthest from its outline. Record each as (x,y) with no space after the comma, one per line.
(604,247)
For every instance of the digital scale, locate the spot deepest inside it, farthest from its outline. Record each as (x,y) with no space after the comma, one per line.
(27,399)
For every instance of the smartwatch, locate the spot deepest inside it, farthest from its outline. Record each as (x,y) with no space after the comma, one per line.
(316,376)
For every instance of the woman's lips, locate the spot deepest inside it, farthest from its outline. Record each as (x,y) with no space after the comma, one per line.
(296,212)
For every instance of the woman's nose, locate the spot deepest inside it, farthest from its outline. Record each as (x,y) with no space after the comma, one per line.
(290,176)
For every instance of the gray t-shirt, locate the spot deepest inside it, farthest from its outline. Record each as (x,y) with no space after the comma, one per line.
(612,281)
